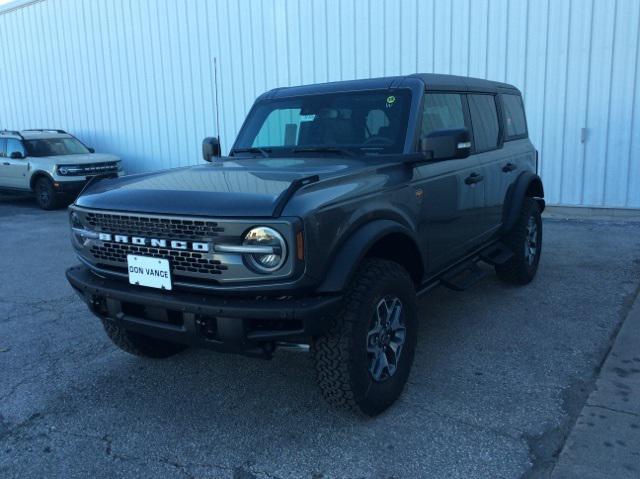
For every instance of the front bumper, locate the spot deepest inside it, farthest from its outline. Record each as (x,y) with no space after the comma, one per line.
(65,185)
(244,325)
(71,188)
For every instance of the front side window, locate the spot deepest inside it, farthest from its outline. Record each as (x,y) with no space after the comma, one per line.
(514,119)
(365,122)
(442,111)
(14,146)
(484,118)
(55,147)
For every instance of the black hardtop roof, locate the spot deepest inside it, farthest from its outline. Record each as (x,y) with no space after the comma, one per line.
(432,81)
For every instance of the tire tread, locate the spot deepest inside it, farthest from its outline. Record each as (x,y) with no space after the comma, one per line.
(331,352)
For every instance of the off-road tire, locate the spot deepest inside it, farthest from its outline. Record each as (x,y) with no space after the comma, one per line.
(340,356)
(517,270)
(46,196)
(139,344)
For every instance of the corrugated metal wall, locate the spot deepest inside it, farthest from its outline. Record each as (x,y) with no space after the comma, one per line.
(135,77)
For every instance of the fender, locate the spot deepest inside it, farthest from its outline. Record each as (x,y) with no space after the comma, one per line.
(37,174)
(355,248)
(527,184)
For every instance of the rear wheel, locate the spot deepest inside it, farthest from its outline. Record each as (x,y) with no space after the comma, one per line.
(525,240)
(46,196)
(363,362)
(140,344)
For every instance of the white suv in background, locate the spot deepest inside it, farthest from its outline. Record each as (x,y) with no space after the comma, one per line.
(52,164)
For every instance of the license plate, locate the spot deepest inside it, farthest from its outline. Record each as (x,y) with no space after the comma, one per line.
(150,272)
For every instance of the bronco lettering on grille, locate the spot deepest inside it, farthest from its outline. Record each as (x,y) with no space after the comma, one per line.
(157,243)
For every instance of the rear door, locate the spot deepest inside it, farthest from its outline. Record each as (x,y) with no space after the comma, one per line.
(15,169)
(488,154)
(452,190)
(518,154)
(4,165)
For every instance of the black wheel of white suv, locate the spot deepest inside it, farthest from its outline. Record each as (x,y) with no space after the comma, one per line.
(525,241)
(363,362)
(140,344)
(45,194)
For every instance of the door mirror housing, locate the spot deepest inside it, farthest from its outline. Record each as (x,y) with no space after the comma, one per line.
(16,155)
(446,144)
(211,148)
(91,150)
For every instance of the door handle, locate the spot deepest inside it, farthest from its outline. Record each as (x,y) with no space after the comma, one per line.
(473,178)
(6,163)
(509,167)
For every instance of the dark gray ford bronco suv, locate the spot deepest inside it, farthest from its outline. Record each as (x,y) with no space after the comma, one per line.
(337,206)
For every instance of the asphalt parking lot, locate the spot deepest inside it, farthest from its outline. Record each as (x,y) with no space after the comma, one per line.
(499,377)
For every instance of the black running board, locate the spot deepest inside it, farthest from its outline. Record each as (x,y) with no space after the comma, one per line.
(463,277)
(496,254)
(469,273)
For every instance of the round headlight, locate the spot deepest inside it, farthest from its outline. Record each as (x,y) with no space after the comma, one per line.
(75,220)
(275,249)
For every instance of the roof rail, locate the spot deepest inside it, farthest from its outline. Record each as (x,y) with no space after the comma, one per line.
(12,132)
(48,129)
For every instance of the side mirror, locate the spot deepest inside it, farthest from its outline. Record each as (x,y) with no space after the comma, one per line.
(446,144)
(210,148)
(16,155)
(91,150)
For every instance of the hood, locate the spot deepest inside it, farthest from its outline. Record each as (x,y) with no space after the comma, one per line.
(87,158)
(247,187)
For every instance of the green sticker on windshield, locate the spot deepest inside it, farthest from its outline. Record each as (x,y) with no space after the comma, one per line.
(390,101)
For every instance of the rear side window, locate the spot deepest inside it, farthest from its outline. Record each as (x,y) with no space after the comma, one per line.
(442,111)
(514,120)
(484,119)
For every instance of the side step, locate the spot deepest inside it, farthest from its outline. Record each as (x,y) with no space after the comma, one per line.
(469,273)
(464,277)
(496,254)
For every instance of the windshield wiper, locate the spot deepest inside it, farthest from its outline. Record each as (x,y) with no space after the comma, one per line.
(324,149)
(263,151)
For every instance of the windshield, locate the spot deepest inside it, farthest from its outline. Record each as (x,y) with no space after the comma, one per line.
(365,123)
(55,147)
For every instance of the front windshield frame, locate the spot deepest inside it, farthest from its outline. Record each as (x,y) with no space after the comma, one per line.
(403,143)
(37,149)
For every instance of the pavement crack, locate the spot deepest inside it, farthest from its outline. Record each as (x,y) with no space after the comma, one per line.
(599,406)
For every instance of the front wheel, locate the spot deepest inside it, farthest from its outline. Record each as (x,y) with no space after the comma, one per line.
(363,362)
(45,194)
(525,240)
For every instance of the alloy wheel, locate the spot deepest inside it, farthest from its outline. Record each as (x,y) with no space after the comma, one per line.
(531,241)
(386,338)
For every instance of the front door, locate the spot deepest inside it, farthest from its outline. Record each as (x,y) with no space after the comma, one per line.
(453,191)
(14,170)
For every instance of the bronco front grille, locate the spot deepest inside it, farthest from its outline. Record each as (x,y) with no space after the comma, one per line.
(93,168)
(185,265)
(173,238)
(151,226)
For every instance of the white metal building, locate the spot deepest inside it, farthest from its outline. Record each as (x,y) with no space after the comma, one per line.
(135,77)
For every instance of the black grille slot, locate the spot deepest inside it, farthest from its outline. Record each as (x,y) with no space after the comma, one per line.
(97,168)
(184,261)
(174,228)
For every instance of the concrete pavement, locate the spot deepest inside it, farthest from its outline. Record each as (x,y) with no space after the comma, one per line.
(605,441)
(500,376)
